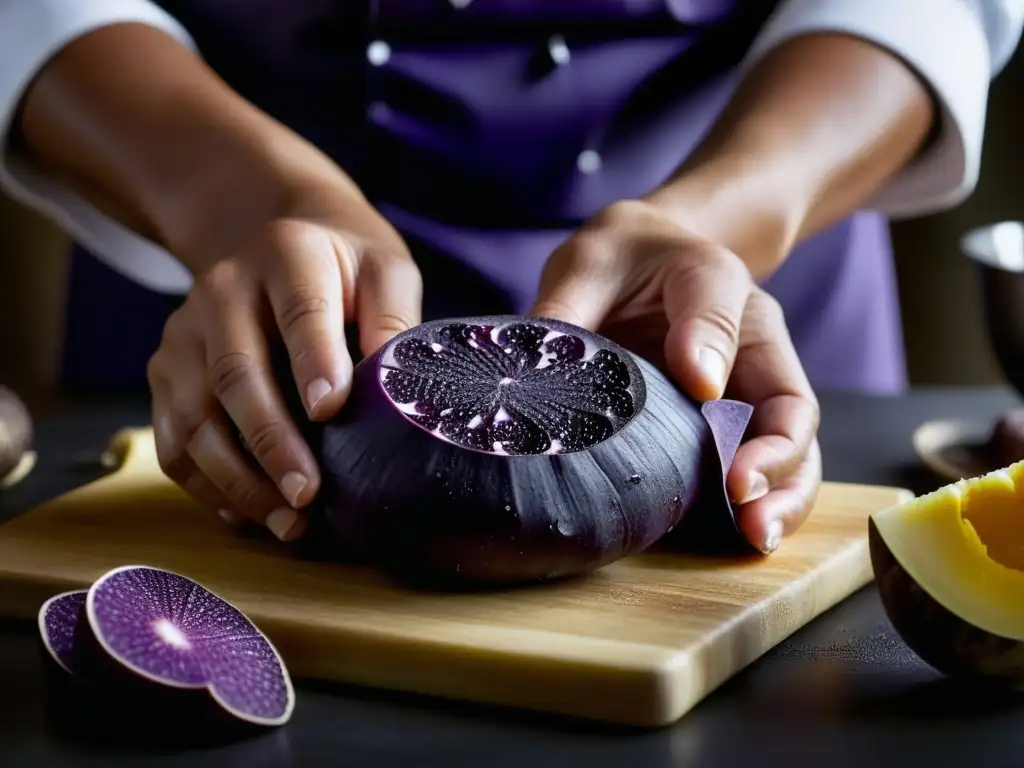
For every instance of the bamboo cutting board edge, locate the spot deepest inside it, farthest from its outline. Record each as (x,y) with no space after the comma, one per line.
(601,678)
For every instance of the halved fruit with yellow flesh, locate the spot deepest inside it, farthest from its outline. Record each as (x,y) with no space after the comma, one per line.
(950,571)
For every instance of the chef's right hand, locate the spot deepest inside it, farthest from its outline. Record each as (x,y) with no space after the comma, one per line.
(302,279)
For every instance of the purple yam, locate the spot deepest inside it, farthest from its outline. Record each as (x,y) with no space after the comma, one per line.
(59,619)
(166,628)
(507,449)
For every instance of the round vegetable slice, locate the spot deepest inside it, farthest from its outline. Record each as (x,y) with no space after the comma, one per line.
(142,631)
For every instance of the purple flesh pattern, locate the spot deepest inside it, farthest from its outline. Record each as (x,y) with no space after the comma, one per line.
(516,386)
(58,620)
(164,626)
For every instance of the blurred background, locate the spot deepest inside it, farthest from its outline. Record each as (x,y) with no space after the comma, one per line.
(944,328)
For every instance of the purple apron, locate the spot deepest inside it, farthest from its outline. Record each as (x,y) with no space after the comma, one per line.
(487,132)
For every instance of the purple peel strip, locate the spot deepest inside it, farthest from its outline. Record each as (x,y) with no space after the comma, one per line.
(728,420)
(710,527)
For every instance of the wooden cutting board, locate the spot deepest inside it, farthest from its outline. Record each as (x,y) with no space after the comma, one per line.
(639,642)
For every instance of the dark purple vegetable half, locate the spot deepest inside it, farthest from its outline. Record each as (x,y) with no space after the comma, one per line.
(511,449)
(141,630)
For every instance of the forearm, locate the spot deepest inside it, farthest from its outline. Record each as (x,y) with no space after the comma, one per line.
(138,125)
(812,131)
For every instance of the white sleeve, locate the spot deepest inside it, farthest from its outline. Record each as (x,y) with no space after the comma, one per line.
(32,32)
(955,46)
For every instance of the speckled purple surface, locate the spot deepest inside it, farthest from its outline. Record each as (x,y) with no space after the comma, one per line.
(168,627)
(520,388)
(60,618)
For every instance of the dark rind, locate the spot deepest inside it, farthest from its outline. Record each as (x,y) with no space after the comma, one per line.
(435,511)
(939,637)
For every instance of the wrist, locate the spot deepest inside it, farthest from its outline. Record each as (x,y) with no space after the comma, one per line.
(262,172)
(738,201)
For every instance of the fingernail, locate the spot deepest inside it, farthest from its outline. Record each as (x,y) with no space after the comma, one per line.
(713,364)
(229,517)
(281,522)
(774,537)
(758,487)
(291,486)
(317,391)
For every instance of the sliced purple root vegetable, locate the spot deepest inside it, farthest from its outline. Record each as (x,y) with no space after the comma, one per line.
(58,623)
(165,629)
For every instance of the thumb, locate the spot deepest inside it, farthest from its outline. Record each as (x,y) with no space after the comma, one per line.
(389,299)
(705,296)
(576,286)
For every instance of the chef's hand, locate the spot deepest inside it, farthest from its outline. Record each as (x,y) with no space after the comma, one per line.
(691,306)
(299,279)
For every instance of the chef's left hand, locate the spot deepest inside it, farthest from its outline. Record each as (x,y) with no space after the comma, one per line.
(691,307)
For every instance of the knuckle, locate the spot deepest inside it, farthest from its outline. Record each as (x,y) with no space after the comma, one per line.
(815,415)
(244,491)
(219,282)
(620,213)
(559,309)
(722,320)
(176,328)
(173,459)
(284,235)
(588,253)
(176,323)
(186,418)
(766,309)
(406,269)
(302,304)
(155,369)
(266,439)
(397,264)
(764,323)
(769,309)
(393,322)
(725,265)
(229,371)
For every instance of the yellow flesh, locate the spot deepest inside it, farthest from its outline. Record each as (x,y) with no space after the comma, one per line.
(964,545)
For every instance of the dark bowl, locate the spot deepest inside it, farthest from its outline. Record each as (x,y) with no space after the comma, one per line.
(998,252)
